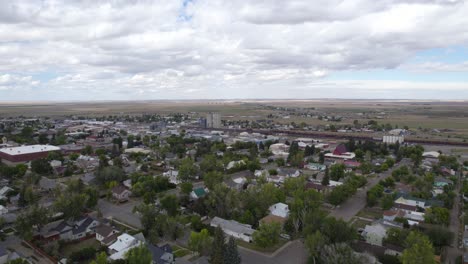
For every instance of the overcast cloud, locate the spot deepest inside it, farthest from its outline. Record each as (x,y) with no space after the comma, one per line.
(216,49)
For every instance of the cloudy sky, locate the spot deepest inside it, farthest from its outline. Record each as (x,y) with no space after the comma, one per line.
(214,49)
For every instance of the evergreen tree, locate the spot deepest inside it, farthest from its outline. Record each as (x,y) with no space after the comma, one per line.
(218,247)
(231,255)
(326,178)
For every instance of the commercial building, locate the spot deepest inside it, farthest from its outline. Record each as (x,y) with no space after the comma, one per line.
(23,154)
(213,120)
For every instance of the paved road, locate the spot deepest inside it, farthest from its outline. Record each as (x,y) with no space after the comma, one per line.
(357,202)
(293,253)
(122,212)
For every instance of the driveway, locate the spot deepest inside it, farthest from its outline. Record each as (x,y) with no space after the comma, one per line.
(357,202)
(121,212)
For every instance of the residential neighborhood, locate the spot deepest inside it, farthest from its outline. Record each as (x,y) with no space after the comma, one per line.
(171,191)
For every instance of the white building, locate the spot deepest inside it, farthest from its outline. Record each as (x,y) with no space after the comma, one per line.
(279,209)
(279,149)
(393,139)
(234,228)
(124,243)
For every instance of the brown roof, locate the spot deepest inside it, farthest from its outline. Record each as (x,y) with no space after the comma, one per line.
(272,219)
(119,189)
(104,230)
(110,239)
(405,207)
(394,212)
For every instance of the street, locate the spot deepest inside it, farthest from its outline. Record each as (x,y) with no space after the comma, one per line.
(357,202)
(122,212)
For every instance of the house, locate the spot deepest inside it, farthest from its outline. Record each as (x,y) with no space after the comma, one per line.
(106,235)
(122,245)
(120,193)
(279,149)
(340,153)
(289,172)
(3,210)
(465,239)
(3,255)
(198,193)
(234,228)
(315,167)
(4,192)
(316,186)
(351,164)
(234,164)
(173,176)
(259,173)
(237,183)
(374,234)
(279,209)
(70,230)
(161,255)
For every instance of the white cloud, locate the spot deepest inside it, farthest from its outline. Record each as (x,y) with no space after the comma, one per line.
(219,48)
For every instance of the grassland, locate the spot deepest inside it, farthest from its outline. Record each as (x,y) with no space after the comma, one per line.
(414,114)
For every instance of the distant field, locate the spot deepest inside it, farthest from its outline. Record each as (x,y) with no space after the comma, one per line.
(441,115)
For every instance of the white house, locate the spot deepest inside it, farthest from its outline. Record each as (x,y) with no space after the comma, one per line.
(4,191)
(124,243)
(173,176)
(234,164)
(120,193)
(279,209)
(374,234)
(234,228)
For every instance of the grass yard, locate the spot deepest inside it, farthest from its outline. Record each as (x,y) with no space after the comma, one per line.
(67,249)
(358,223)
(370,213)
(179,251)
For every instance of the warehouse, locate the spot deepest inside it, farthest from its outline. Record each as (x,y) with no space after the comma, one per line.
(24,154)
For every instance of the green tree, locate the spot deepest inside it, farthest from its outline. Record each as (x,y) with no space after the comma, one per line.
(200,242)
(267,235)
(186,187)
(337,171)
(232,255)
(437,216)
(101,258)
(187,170)
(218,247)
(139,255)
(108,174)
(41,166)
(418,250)
(314,244)
(326,178)
(212,178)
(170,203)
(340,254)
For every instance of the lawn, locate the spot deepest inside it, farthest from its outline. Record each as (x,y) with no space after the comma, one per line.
(67,249)
(252,246)
(358,223)
(179,251)
(370,213)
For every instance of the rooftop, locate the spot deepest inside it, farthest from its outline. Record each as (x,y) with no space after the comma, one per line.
(29,149)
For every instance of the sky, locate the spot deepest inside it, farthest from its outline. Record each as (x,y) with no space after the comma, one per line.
(86,50)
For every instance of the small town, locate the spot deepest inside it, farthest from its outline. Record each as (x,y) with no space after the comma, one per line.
(191,188)
(234,132)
